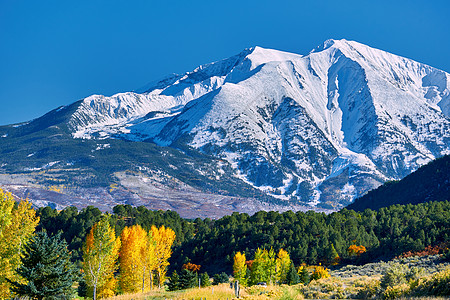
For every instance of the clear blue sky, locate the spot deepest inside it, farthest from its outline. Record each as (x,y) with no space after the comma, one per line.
(53,53)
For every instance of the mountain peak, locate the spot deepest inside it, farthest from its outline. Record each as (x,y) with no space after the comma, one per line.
(321,128)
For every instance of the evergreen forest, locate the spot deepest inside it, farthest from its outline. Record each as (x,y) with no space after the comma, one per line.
(308,237)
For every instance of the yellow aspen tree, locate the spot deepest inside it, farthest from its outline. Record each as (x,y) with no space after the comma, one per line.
(163,238)
(17,225)
(271,265)
(283,262)
(150,259)
(100,253)
(240,268)
(133,254)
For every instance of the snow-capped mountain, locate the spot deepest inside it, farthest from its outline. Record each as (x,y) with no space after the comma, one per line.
(317,128)
(330,124)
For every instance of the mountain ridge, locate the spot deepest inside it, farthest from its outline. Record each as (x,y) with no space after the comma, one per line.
(319,129)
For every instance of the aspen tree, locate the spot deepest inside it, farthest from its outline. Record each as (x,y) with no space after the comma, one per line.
(17,225)
(133,253)
(240,268)
(163,238)
(100,253)
(283,263)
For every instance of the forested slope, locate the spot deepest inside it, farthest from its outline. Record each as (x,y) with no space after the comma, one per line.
(308,237)
(429,183)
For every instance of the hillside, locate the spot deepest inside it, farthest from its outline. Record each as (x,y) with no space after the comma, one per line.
(429,183)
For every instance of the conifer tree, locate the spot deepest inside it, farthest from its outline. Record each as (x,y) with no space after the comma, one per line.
(46,268)
(220,278)
(331,255)
(188,279)
(292,275)
(174,282)
(303,273)
(205,280)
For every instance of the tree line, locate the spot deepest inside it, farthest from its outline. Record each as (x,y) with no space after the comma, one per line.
(309,238)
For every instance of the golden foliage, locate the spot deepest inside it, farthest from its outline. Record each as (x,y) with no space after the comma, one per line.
(100,253)
(133,254)
(320,272)
(17,226)
(240,268)
(283,262)
(163,238)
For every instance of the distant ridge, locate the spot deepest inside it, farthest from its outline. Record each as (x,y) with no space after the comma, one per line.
(429,183)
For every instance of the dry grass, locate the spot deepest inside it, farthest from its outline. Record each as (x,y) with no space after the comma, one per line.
(221,291)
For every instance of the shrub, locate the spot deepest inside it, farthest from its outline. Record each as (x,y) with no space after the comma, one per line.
(397,291)
(320,272)
(437,285)
(370,290)
(394,275)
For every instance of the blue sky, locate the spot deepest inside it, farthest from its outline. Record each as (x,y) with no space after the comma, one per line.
(53,53)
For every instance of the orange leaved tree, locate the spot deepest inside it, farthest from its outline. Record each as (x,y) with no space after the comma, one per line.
(356,250)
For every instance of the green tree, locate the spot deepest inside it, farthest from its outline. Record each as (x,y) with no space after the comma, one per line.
(174,282)
(188,279)
(46,267)
(304,275)
(292,275)
(220,278)
(205,280)
(331,255)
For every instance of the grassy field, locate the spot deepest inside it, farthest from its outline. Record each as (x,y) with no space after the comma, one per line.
(431,277)
(329,288)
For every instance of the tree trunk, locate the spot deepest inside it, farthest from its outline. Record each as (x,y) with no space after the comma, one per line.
(143,280)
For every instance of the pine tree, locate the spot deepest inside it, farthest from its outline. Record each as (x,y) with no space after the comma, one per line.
(188,279)
(174,282)
(292,275)
(220,278)
(46,267)
(331,255)
(304,275)
(205,280)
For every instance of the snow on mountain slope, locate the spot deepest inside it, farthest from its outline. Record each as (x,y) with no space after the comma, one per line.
(321,128)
